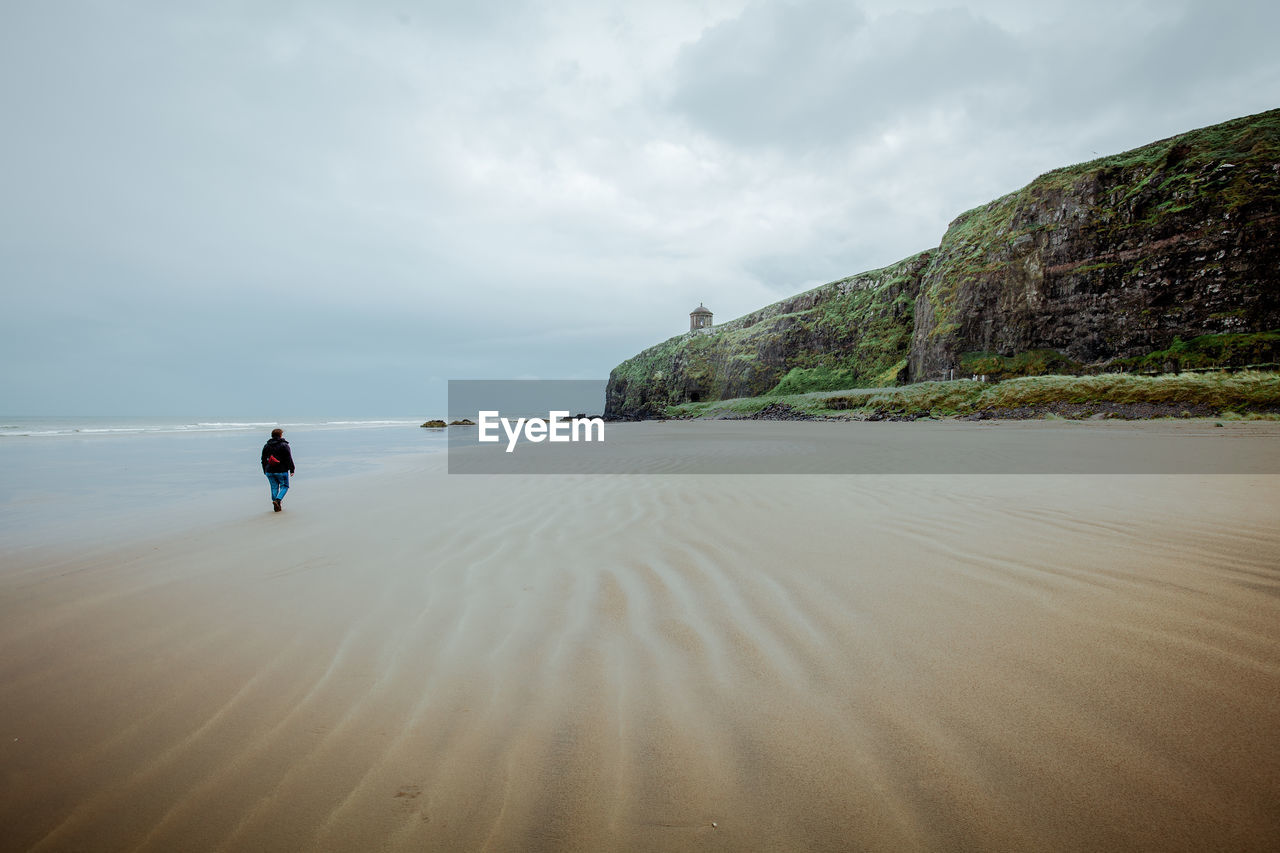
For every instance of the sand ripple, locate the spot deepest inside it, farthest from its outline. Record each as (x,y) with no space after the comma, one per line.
(661,663)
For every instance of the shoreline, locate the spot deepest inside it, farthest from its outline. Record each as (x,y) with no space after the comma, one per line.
(85,488)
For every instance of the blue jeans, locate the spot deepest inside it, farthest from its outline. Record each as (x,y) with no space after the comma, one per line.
(279,484)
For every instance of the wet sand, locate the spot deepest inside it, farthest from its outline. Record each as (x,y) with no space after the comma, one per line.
(415,661)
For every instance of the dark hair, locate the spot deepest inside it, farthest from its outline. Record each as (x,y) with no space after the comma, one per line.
(277,432)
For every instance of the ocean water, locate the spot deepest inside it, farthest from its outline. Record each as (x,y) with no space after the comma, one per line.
(74,479)
(95,425)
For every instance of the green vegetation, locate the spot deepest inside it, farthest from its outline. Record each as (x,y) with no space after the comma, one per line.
(1187,165)
(1243,394)
(1036,362)
(800,380)
(1258,349)
(1205,352)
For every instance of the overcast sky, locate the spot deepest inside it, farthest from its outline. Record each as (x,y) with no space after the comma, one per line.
(329,208)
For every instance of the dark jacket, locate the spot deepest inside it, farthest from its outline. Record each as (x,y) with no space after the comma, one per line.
(279,448)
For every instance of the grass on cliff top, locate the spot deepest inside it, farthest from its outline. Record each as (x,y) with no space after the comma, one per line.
(1239,393)
(1213,160)
(1208,351)
(1236,139)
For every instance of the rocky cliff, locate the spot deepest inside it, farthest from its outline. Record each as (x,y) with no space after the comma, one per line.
(1087,267)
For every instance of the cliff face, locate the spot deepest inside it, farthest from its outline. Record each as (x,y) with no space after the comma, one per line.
(1102,261)
(1113,258)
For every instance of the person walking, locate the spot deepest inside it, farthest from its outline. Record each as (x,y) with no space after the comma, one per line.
(277,464)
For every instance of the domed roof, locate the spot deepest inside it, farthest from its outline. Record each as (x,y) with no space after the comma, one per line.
(701,309)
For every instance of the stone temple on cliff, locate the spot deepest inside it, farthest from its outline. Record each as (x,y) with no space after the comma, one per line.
(700,319)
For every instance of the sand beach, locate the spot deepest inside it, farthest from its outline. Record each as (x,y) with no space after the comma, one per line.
(410,660)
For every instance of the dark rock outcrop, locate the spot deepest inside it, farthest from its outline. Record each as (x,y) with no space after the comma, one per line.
(779,412)
(1092,264)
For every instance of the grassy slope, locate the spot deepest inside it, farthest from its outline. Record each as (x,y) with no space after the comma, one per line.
(1243,393)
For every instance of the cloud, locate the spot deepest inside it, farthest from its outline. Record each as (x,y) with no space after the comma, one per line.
(815,73)
(443,189)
